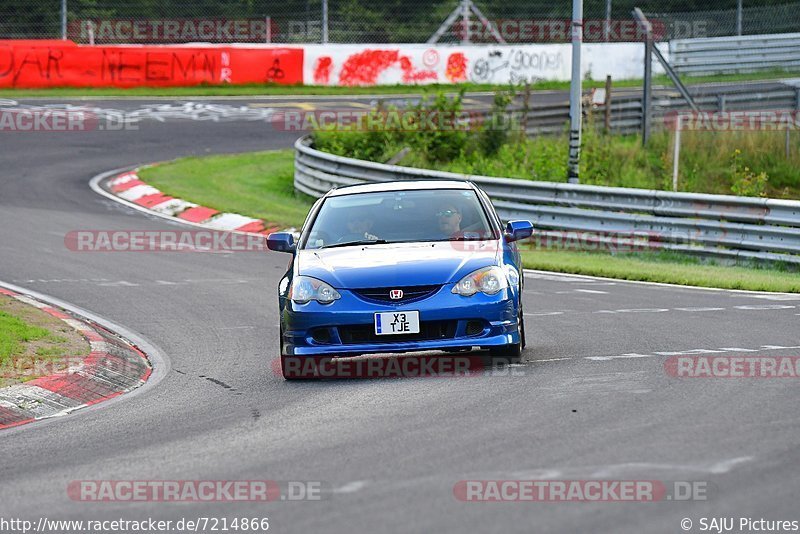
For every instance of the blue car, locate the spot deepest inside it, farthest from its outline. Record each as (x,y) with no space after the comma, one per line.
(398,267)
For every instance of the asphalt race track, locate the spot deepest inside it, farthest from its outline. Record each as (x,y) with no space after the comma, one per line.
(592,399)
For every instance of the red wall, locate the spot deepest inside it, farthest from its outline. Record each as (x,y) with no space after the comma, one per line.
(34,64)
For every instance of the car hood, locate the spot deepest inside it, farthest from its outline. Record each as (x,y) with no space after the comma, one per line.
(398,264)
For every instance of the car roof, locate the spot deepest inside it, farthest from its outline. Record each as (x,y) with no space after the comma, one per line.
(403,185)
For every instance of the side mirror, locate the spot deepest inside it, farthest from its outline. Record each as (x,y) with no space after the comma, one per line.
(516,230)
(281,242)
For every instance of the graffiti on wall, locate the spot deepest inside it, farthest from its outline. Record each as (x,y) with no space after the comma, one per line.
(31,65)
(516,65)
(414,64)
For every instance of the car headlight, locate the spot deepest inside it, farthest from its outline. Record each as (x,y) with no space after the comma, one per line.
(305,289)
(489,280)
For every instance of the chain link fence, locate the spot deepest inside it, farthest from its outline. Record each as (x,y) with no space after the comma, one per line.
(381,21)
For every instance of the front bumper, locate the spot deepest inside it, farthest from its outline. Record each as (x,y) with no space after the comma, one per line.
(448,321)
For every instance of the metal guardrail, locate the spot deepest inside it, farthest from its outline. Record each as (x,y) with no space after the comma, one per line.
(719,226)
(724,55)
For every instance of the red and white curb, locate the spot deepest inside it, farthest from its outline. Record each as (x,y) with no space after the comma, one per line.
(128,188)
(114,366)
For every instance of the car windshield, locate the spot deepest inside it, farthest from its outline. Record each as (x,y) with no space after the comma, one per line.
(399,217)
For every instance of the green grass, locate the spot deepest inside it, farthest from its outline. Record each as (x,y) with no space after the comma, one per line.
(14,333)
(664,268)
(299,90)
(29,337)
(260,185)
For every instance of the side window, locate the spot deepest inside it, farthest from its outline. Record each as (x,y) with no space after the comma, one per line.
(492,212)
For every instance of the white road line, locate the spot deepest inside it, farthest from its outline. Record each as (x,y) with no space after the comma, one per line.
(121,283)
(698,309)
(351,487)
(543,314)
(765,307)
(622,356)
(595,291)
(688,352)
(635,310)
(769,297)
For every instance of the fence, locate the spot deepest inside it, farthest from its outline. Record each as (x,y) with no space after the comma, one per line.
(718,226)
(726,55)
(369,21)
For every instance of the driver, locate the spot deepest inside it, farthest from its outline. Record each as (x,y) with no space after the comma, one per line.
(449,219)
(359,224)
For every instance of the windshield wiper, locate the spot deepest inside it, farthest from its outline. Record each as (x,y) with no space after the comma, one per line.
(355,243)
(465,238)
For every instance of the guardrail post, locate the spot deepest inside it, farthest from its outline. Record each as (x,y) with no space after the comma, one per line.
(63,20)
(575,111)
(647,92)
(739,17)
(797,98)
(676,152)
(787,145)
(324,21)
(526,108)
(721,103)
(465,22)
(607,104)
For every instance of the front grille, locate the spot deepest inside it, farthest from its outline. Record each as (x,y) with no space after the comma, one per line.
(410,294)
(428,331)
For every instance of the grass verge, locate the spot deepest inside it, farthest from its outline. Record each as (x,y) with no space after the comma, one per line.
(664,268)
(30,339)
(299,90)
(261,185)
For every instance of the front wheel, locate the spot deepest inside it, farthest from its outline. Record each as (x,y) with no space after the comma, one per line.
(287,372)
(505,354)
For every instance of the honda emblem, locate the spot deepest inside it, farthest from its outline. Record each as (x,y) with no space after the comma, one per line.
(396,294)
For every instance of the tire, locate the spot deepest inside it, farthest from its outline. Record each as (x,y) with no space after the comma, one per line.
(284,373)
(521,323)
(505,354)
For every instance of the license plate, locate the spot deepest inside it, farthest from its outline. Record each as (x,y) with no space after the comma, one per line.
(405,322)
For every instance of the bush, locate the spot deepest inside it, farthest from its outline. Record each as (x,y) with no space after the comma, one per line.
(746,182)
